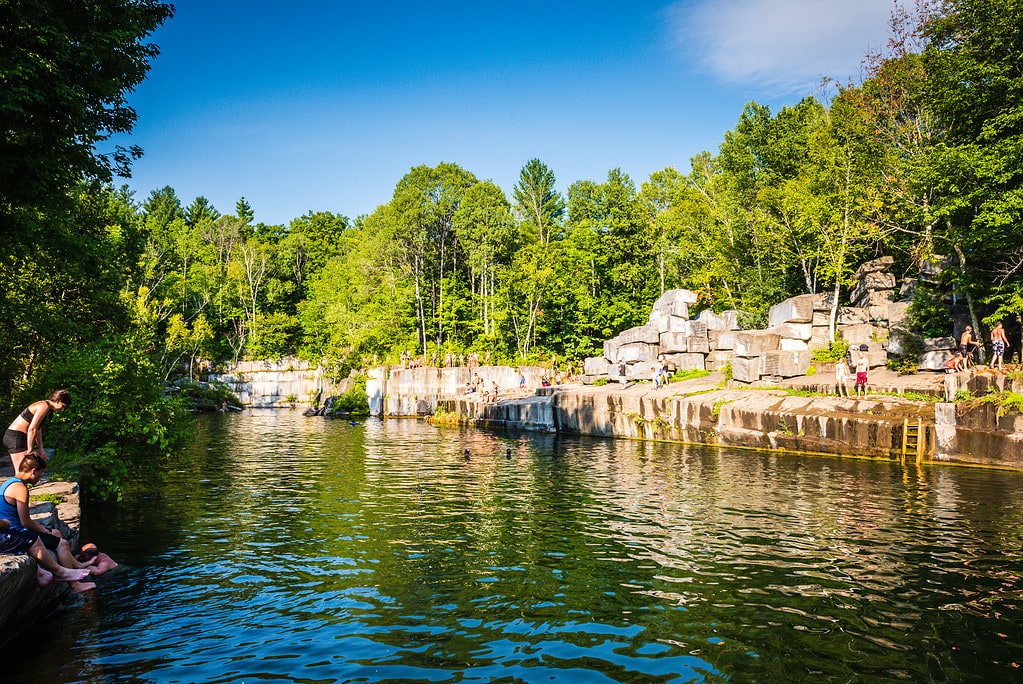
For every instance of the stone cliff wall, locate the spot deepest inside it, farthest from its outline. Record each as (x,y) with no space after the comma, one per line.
(396,391)
(738,418)
(278,384)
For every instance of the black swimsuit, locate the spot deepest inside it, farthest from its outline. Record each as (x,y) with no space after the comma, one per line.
(16,441)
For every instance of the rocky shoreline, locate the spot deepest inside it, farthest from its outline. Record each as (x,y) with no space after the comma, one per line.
(22,601)
(793,416)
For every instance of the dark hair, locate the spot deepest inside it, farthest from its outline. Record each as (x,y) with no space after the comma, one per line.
(62,396)
(31,462)
(87,554)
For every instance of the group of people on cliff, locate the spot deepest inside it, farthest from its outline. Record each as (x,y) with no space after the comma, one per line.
(19,533)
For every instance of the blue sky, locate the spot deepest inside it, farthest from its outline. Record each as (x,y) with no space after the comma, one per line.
(323,106)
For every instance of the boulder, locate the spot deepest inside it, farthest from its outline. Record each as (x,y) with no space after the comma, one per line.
(878,314)
(660,320)
(897,339)
(821,337)
(794,331)
(750,343)
(863,298)
(699,345)
(731,317)
(672,343)
(726,320)
(792,310)
(934,360)
(746,369)
(821,319)
(677,324)
(852,315)
(788,344)
(822,301)
(611,349)
(716,360)
(596,366)
(786,364)
(648,334)
(877,359)
(685,362)
(636,352)
(862,333)
(874,266)
(897,312)
(721,339)
(878,281)
(675,302)
(939,344)
(696,329)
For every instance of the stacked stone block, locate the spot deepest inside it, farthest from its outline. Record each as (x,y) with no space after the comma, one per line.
(796,327)
(704,342)
(875,283)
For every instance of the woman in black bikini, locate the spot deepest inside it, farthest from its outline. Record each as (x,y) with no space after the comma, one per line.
(25,435)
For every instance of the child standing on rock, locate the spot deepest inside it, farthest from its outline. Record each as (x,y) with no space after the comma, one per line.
(842,378)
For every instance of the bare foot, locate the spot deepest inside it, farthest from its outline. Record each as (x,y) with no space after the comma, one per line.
(43,577)
(71,575)
(80,587)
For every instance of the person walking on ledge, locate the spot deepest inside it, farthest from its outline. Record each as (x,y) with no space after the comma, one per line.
(24,436)
(999,343)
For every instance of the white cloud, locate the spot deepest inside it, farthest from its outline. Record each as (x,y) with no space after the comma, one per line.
(782,44)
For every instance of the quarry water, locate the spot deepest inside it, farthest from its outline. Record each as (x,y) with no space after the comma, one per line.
(280,548)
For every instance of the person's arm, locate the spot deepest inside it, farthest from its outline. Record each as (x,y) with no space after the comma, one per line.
(35,430)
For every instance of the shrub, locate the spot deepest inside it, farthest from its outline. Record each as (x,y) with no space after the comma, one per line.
(120,420)
(354,401)
(908,361)
(836,350)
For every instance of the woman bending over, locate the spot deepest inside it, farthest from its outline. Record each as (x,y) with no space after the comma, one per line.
(25,434)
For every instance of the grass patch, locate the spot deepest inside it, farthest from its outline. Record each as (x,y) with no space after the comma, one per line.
(51,498)
(600,382)
(681,375)
(726,370)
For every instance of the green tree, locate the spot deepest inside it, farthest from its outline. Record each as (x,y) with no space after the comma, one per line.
(538,204)
(65,70)
(974,86)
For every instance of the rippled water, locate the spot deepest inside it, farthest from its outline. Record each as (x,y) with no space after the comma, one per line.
(285,548)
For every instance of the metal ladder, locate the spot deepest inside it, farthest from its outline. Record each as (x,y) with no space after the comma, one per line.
(914,440)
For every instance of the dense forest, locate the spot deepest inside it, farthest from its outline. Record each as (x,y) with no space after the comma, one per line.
(112,295)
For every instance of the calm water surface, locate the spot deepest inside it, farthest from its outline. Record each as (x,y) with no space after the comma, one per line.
(292,549)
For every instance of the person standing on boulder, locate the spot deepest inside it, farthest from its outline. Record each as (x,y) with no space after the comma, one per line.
(842,378)
(862,366)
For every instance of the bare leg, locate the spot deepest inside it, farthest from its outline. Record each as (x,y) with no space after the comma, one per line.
(16,460)
(43,577)
(43,558)
(79,587)
(68,560)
